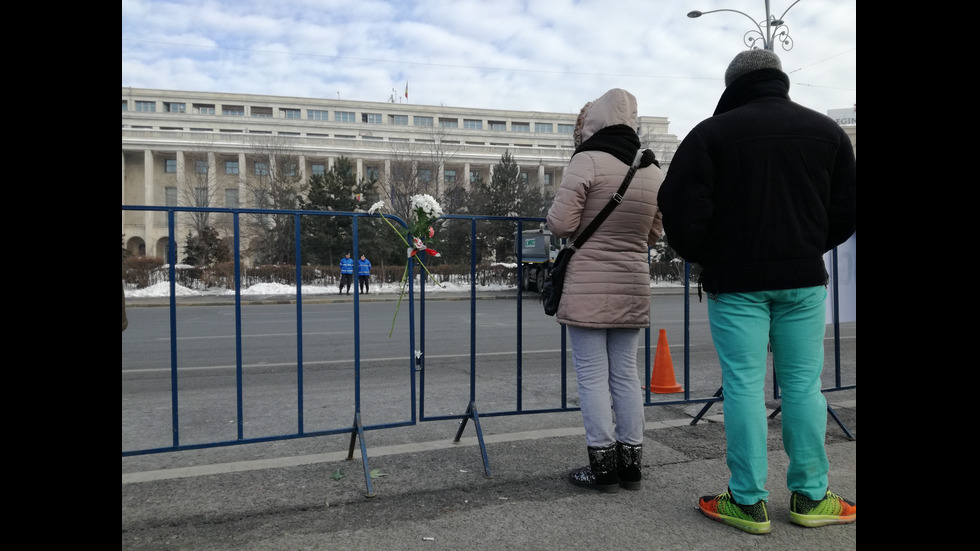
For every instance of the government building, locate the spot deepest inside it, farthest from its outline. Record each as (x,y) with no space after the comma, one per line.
(200,149)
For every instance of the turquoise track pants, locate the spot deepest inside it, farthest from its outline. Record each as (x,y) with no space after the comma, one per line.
(793,323)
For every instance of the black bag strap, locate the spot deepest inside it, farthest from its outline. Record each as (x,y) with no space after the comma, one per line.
(616,200)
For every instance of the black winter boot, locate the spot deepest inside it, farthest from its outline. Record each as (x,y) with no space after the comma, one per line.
(628,465)
(601,472)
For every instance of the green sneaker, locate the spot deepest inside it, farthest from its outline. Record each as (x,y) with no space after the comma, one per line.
(832,509)
(753,519)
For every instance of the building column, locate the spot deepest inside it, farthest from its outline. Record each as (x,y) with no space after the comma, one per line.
(182,182)
(242,187)
(213,176)
(149,217)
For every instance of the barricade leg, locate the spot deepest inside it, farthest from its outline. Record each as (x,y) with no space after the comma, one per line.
(471,412)
(358,430)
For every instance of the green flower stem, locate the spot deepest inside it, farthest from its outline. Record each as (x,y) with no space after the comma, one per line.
(404,281)
(399,305)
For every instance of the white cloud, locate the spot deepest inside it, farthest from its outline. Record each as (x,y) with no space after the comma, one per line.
(539,55)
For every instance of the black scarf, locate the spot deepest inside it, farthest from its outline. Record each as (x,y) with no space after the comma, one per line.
(620,141)
(756,84)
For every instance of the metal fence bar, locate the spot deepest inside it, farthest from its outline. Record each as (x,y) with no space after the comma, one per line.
(416,352)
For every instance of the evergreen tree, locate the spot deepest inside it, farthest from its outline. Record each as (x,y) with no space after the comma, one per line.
(205,248)
(499,197)
(325,239)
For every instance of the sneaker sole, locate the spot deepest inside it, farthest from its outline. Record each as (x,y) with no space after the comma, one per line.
(815,521)
(743,525)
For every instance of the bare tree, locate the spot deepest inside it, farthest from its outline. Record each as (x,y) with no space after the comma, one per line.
(273,180)
(418,167)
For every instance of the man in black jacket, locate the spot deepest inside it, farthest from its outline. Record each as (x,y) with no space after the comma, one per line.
(756,195)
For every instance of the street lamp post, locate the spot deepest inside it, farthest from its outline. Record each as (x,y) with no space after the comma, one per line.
(776,29)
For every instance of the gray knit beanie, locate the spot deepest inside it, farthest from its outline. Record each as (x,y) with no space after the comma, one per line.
(751,60)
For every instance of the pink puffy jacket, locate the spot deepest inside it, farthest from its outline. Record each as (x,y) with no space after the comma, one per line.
(607,284)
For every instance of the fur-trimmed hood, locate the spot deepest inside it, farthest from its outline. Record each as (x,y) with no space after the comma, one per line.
(617,106)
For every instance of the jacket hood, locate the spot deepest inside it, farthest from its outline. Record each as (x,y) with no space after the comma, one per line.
(617,106)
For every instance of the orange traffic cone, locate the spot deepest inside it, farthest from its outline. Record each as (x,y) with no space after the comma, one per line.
(662,380)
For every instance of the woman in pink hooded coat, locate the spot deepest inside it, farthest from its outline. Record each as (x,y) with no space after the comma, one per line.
(606,299)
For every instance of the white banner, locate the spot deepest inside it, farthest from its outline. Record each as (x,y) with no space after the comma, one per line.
(846,281)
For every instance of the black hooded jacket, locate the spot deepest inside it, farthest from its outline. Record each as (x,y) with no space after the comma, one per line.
(758,193)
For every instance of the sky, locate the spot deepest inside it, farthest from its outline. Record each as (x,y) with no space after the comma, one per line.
(528,55)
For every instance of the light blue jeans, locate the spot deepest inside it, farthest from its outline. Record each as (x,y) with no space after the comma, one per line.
(605,368)
(793,323)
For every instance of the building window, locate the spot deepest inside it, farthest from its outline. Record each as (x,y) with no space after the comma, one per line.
(474,176)
(233,110)
(169,107)
(449,123)
(291,113)
(124,105)
(261,169)
(318,169)
(231,167)
(401,120)
(423,121)
(344,116)
(318,115)
(201,167)
(547,179)
(201,196)
(263,112)
(146,106)
(497,125)
(520,126)
(545,127)
(372,172)
(203,109)
(566,128)
(170,196)
(450,176)
(471,124)
(425,175)
(290,169)
(231,198)
(523,177)
(371,118)
(170,165)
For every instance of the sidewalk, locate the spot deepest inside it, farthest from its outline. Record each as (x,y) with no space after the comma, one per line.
(430,493)
(481,294)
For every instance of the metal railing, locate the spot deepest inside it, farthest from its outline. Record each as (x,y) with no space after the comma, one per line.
(414,350)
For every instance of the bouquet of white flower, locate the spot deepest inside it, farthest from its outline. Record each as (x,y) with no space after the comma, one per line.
(425,209)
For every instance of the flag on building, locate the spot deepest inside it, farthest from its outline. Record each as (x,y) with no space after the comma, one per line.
(406,89)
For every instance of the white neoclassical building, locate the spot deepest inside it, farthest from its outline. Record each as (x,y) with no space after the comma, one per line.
(171,138)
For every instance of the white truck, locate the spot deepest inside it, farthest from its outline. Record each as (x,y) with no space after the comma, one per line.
(539,248)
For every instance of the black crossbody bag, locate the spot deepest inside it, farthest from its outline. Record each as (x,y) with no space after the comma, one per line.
(554,280)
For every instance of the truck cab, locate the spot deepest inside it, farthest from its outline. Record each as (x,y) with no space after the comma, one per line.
(538,249)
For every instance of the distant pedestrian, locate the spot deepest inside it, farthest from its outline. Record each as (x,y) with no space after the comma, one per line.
(346,273)
(756,195)
(364,274)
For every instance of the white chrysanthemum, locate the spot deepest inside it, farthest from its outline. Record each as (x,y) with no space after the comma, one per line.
(427,204)
(375,207)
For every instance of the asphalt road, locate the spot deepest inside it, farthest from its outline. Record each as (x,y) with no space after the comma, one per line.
(430,491)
